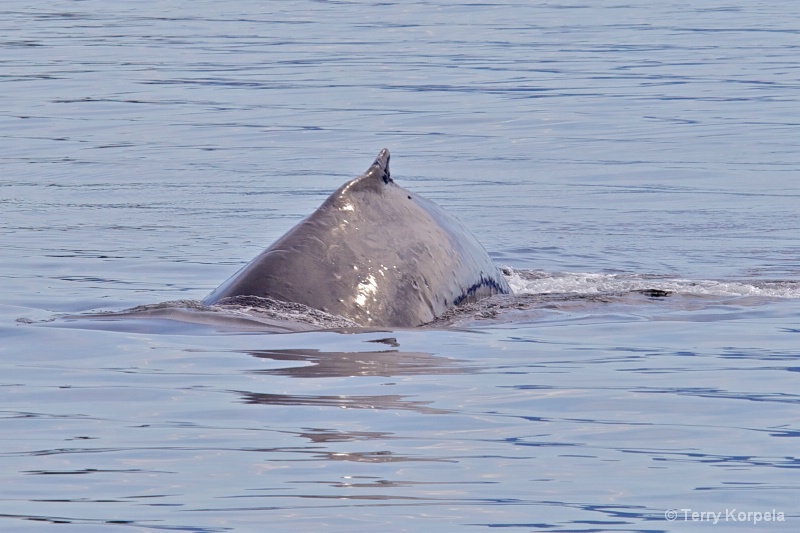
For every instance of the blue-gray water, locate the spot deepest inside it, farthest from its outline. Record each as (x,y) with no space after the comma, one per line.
(149,149)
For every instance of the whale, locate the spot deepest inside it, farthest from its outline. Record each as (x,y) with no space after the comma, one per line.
(374,253)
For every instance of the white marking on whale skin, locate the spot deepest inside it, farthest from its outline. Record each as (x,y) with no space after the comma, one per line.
(374,253)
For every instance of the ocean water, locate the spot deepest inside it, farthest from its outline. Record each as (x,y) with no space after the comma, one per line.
(632,165)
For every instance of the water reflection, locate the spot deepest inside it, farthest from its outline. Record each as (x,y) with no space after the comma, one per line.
(323,364)
(326,436)
(383,402)
(370,363)
(373,482)
(382,456)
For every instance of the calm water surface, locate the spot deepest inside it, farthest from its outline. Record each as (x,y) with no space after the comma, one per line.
(149,149)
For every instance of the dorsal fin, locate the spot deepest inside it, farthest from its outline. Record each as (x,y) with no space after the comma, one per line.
(376,178)
(380,167)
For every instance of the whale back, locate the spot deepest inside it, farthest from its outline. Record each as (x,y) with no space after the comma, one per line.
(375,253)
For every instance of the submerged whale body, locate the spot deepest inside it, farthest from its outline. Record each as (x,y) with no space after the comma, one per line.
(374,253)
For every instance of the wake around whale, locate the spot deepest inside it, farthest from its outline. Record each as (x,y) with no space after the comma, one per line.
(374,253)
